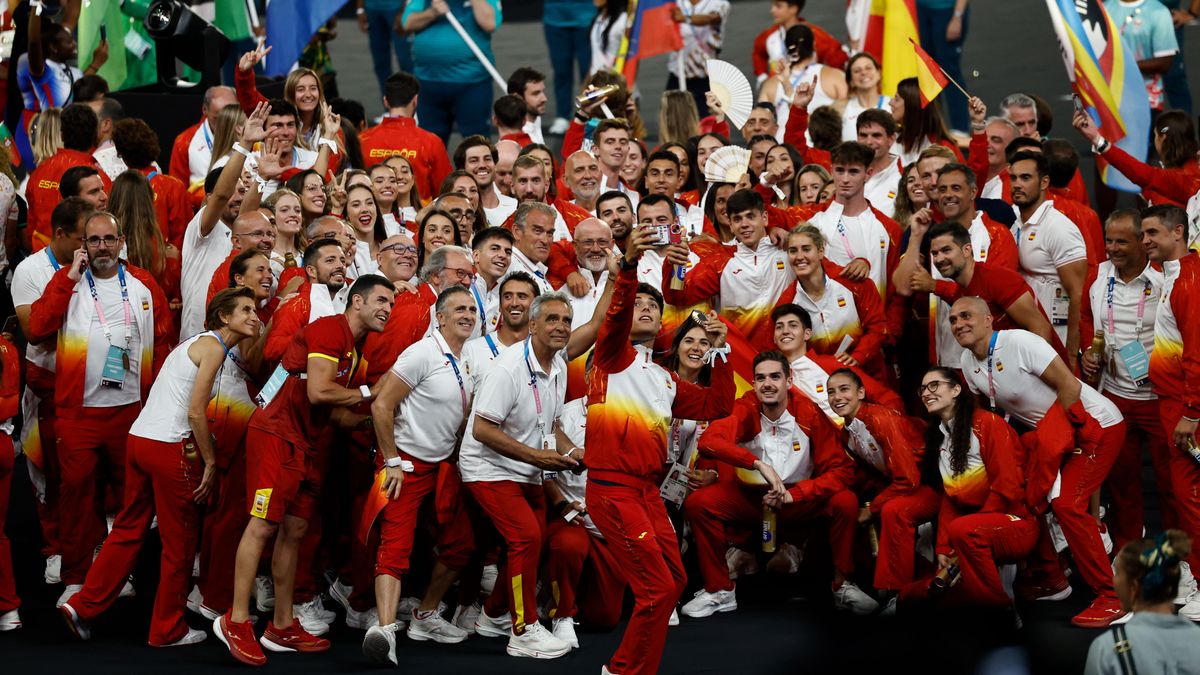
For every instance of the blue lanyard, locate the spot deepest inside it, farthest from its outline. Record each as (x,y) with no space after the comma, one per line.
(991,382)
(152,174)
(482,313)
(53,262)
(487,337)
(462,391)
(207,135)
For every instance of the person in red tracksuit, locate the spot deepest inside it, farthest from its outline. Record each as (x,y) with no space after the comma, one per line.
(171,470)
(1020,373)
(777,431)
(398,134)
(10,398)
(79,126)
(631,401)
(983,520)
(887,449)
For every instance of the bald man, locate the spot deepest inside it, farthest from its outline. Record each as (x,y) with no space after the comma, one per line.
(192,152)
(397,258)
(507,152)
(593,248)
(251,230)
(581,173)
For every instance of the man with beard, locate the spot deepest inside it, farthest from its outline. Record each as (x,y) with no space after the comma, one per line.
(663,177)
(581,173)
(529,185)
(284,485)
(397,258)
(1051,248)
(113,324)
(324,294)
(477,155)
(616,209)
(84,182)
(593,247)
(491,251)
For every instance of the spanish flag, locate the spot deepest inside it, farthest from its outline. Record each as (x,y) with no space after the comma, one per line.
(930,77)
(890,26)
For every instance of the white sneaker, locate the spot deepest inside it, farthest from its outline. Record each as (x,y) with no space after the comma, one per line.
(564,629)
(264,593)
(195,602)
(674,620)
(364,620)
(890,608)
(740,563)
(850,598)
(706,604)
(434,627)
(537,643)
(1187,584)
(559,127)
(379,644)
(1056,533)
(318,607)
(409,605)
(465,616)
(310,618)
(70,590)
(487,581)
(53,573)
(192,637)
(340,593)
(77,625)
(127,590)
(1106,539)
(497,627)
(10,620)
(1191,609)
(785,561)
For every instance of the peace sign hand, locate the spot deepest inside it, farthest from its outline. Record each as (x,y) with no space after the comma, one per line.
(251,58)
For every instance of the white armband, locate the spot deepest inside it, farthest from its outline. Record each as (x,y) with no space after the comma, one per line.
(242,150)
(710,357)
(329,144)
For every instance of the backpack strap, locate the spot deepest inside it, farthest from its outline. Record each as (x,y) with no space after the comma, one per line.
(1124,650)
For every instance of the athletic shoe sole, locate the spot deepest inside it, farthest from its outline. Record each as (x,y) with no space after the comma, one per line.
(71,617)
(535,654)
(711,609)
(422,636)
(220,633)
(203,611)
(1061,595)
(376,649)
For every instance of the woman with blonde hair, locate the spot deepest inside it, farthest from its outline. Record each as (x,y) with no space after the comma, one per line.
(225,133)
(132,204)
(678,119)
(46,131)
(289,229)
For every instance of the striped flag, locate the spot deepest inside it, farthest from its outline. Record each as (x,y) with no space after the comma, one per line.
(651,32)
(891,25)
(290,25)
(930,77)
(1104,73)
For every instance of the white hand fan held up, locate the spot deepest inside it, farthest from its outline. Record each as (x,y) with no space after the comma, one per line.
(727,164)
(732,89)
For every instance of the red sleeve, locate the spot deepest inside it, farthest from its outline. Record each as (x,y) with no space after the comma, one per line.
(1171,183)
(947,513)
(439,165)
(720,440)
(828,49)
(710,125)
(1003,252)
(10,380)
(903,445)
(247,90)
(833,470)
(164,325)
(701,282)
(47,313)
(977,157)
(1045,447)
(1188,319)
(871,318)
(573,139)
(693,402)
(953,148)
(762,63)
(613,351)
(561,263)
(324,338)
(949,291)
(1003,288)
(793,132)
(1002,457)
(289,318)
(180,166)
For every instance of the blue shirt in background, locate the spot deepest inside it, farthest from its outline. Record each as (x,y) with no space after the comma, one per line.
(440,55)
(569,13)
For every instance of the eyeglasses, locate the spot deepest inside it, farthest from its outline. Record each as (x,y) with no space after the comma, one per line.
(594,243)
(107,242)
(932,386)
(462,215)
(400,249)
(463,273)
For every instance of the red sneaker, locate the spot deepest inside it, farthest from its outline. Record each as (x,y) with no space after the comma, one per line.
(1042,589)
(1100,614)
(292,639)
(239,638)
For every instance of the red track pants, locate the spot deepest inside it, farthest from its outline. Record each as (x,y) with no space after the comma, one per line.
(398,524)
(518,512)
(1142,425)
(224,523)
(41,383)
(8,589)
(631,516)
(1185,478)
(982,541)
(583,574)
(898,522)
(710,509)
(159,480)
(96,438)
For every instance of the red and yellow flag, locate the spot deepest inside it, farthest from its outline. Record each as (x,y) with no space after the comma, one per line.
(930,77)
(891,24)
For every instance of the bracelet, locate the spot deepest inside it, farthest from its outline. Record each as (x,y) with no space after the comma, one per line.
(329,144)
(1193,420)
(365,391)
(1102,146)
(241,149)
(394,462)
(978,126)
(958,15)
(722,352)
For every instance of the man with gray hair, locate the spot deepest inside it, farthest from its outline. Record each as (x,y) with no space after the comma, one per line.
(533,234)
(990,137)
(1021,110)
(192,152)
(108,112)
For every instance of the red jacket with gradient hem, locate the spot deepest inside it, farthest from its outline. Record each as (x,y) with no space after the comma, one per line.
(1045,447)
(1175,361)
(902,445)
(631,399)
(832,468)
(868,344)
(999,487)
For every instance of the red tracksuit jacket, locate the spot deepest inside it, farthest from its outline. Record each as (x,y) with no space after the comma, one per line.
(902,444)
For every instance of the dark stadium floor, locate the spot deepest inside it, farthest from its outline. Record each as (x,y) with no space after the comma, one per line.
(781,626)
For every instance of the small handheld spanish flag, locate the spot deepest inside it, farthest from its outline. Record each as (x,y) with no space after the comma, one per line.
(930,77)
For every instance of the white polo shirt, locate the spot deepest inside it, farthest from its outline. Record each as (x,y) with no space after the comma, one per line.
(521,263)
(1045,243)
(480,353)
(488,303)
(583,308)
(506,397)
(1134,308)
(200,259)
(29,281)
(1018,360)
(428,419)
